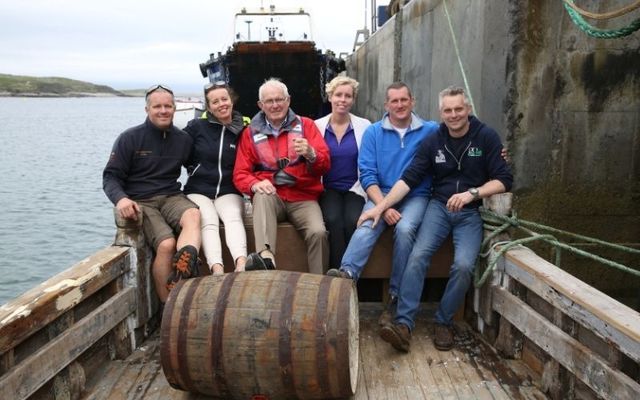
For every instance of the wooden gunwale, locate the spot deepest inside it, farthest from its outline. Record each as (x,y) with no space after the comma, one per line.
(35,309)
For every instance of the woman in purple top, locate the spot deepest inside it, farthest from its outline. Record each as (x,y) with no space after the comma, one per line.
(343,197)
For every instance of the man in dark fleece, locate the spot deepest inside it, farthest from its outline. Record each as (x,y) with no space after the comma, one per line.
(142,176)
(465,160)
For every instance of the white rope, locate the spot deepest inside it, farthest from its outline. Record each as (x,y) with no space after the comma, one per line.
(455,46)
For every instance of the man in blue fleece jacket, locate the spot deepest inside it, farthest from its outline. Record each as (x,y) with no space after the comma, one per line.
(465,160)
(387,148)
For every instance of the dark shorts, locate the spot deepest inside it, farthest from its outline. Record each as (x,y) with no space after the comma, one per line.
(161,216)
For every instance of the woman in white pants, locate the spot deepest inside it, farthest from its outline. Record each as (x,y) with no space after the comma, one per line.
(210,185)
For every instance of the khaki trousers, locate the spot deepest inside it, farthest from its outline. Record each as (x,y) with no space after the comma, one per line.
(305,216)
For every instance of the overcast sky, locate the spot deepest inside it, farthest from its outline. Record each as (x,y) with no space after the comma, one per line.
(134,43)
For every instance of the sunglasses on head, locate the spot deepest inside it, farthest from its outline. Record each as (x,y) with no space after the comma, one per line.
(156,87)
(215,85)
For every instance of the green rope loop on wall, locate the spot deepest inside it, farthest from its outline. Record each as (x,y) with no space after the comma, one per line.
(596,32)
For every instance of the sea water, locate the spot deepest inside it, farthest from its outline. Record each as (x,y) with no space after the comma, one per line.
(53,212)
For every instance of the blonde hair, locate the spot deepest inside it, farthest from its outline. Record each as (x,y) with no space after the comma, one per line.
(339,81)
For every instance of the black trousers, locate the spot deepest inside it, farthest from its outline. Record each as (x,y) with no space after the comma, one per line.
(340,211)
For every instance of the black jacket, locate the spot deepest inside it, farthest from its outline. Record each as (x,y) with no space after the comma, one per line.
(145,162)
(213,155)
(479,163)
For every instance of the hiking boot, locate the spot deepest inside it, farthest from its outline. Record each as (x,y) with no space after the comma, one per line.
(443,338)
(185,262)
(398,335)
(338,273)
(389,312)
(185,265)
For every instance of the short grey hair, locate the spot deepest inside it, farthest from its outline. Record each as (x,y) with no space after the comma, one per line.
(273,82)
(453,91)
(339,81)
(160,90)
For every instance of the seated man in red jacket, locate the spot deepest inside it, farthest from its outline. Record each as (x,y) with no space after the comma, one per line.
(280,160)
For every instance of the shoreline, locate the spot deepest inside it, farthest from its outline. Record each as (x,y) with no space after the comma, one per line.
(61,95)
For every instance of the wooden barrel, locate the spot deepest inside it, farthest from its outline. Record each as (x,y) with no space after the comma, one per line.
(262,334)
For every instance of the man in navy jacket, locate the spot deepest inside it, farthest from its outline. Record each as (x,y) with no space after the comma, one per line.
(142,176)
(465,160)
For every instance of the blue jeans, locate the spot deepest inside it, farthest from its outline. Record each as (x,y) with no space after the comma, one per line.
(466,229)
(404,234)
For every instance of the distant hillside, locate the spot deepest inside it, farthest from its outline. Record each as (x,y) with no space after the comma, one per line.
(30,86)
(134,92)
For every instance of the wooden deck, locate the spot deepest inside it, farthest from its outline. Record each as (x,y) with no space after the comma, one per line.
(68,337)
(472,370)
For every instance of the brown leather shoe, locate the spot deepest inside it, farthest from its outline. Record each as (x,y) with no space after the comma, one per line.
(443,338)
(398,335)
(386,318)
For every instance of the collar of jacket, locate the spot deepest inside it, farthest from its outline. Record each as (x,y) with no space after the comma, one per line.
(416,122)
(259,122)
(236,126)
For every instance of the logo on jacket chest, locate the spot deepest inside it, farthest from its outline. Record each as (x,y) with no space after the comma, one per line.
(474,152)
(440,158)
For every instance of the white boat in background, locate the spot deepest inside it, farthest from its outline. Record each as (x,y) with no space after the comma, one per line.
(187,108)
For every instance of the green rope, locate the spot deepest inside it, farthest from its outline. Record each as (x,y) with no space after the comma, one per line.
(507,222)
(479,281)
(514,221)
(596,32)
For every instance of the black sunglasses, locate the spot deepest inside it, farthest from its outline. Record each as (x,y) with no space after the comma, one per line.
(156,87)
(215,85)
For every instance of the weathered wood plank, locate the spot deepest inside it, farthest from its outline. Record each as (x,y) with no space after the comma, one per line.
(129,234)
(484,366)
(375,372)
(40,367)
(608,318)
(501,205)
(471,376)
(361,388)
(440,375)
(421,360)
(458,379)
(573,355)
(30,312)
(107,380)
(402,370)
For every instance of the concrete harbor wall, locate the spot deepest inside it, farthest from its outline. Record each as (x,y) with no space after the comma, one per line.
(567,106)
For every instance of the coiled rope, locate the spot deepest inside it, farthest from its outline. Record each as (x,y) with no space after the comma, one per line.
(500,223)
(576,14)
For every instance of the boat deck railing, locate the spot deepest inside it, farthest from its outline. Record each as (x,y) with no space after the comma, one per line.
(579,342)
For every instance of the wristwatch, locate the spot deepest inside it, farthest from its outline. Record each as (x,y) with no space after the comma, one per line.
(475,193)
